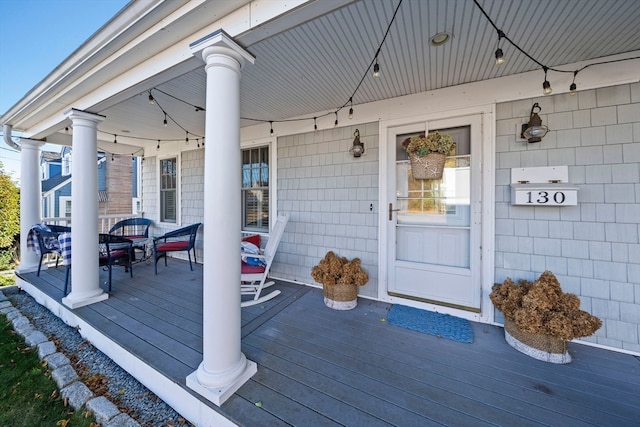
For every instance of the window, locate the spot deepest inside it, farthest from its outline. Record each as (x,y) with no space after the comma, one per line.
(255,189)
(65,207)
(168,186)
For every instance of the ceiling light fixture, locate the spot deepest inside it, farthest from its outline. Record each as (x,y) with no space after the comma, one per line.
(440,39)
(357,149)
(534,131)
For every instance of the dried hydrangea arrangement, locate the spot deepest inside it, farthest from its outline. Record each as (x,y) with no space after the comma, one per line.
(434,142)
(334,269)
(542,308)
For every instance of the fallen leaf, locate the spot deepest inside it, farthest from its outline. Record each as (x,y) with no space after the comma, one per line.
(63,423)
(259,404)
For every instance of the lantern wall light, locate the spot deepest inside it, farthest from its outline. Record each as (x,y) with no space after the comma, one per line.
(357,149)
(534,131)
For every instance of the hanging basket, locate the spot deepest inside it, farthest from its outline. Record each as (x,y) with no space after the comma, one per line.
(539,346)
(430,166)
(340,296)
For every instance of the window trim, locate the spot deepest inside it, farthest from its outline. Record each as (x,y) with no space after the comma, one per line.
(273,176)
(178,189)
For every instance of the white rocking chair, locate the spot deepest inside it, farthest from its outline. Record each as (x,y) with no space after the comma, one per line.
(253,278)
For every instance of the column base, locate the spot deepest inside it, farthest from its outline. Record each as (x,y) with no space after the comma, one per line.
(218,395)
(73,302)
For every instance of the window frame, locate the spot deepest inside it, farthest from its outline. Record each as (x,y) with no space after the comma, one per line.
(271,144)
(160,215)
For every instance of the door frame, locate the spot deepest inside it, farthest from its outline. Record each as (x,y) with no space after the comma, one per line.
(486,216)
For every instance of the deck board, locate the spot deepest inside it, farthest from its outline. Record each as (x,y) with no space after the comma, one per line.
(318,366)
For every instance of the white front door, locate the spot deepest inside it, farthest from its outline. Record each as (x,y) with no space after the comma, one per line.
(433,226)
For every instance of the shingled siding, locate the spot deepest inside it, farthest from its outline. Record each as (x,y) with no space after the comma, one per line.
(593,248)
(332,198)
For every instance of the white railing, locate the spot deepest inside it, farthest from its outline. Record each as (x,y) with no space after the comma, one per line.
(105,222)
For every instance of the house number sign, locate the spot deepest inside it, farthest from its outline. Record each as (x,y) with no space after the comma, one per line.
(543,195)
(542,186)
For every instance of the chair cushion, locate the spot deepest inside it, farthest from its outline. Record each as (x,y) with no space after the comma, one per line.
(115,256)
(255,239)
(134,237)
(173,246)
(252,269)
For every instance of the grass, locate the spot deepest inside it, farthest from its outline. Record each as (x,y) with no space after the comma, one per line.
(28,395)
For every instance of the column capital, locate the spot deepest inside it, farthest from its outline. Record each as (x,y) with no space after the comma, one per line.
(75,114)
(221,43)
(31,143)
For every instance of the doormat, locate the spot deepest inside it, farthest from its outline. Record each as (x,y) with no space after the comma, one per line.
(429,322)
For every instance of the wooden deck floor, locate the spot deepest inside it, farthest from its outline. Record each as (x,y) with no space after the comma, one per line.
(320,367)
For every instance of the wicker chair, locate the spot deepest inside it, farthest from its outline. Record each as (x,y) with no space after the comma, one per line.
(182,239)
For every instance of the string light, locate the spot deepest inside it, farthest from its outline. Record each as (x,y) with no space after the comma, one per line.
(336,122)
(198,142)
(115,139)
(573,89)
(112,158)
(271,124)
(158,146)
(151,100)
(351,108)
(546,86)
(500,59)
(165,120)
(315,124)
(376,68)
(186,138)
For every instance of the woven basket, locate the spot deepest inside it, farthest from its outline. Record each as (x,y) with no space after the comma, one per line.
(539,346)
(340,296)
(430,166)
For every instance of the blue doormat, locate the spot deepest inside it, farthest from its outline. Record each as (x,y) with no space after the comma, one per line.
(429,322)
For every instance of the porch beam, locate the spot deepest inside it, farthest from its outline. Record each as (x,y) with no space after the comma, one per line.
(224,367)
(85,281)
(30,195)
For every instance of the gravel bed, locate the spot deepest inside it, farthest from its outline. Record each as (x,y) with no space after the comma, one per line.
(121,388)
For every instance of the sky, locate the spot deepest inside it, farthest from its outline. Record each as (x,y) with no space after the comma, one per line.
(35,37)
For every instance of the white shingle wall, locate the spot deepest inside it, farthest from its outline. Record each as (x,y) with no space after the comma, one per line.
(593,248)
(328,194)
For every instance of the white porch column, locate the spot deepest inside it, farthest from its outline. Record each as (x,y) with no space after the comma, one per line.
(85,284)
(30,196)
(224,367)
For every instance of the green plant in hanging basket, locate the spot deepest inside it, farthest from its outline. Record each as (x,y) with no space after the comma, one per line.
(434,142)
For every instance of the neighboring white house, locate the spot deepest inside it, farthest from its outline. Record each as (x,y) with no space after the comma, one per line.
(264,128)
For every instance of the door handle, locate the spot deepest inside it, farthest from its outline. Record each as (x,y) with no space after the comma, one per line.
(391,211)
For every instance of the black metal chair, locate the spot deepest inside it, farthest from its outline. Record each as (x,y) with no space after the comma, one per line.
(182,239)
(47,236)
(115,251)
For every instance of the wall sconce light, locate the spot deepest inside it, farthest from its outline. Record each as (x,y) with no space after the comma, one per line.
(357,148)
(534,131)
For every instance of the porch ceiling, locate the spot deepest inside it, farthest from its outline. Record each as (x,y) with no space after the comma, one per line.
(316,65)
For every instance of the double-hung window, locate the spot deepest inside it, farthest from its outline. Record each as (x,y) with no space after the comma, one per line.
(168,190)
(255,189)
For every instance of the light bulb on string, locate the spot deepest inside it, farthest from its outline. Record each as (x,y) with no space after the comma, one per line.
(573,89)
(198,142)
(351,108)
(112,158)
(115,139)
(151,100)
(158,146)
(335,124)
(271,124)
(165,123)
(500,59)
(376,69)
(315,124)
(186,138)
(546,86)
